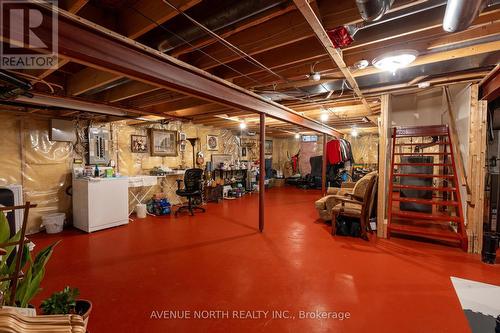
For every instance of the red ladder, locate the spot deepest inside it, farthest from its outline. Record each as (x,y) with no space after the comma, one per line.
(445,221)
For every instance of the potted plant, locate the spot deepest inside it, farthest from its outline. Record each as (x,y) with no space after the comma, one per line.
(33,268)
(66,302)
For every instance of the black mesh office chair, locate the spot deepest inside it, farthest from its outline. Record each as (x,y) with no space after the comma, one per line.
(193,179)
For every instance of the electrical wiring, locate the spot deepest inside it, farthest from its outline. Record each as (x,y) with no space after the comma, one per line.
(243,55)
(190,44)
(229,45)
(34,78)
(248,58)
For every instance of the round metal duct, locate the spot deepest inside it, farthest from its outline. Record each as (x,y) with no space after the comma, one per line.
(372,10)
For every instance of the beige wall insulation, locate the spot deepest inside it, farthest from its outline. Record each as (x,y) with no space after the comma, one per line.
(46,171)
(44,167)
(364,148)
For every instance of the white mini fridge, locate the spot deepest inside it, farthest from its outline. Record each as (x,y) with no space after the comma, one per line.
(100,203)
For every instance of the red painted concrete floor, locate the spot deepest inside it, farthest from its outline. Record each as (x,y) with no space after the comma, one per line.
(218,261)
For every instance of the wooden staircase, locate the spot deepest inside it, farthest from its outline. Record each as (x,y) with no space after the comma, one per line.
(437,212)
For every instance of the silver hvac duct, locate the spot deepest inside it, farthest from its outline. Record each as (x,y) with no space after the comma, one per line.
(372,10)
(460,14)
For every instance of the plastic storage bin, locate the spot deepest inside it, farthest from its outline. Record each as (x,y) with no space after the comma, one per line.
(141,211)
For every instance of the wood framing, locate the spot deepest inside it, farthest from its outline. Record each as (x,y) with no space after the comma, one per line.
(335,54)
(476,170)
(384,130)
(455,139)
(82,42)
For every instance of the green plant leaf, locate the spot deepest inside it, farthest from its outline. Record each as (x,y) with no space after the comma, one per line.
(4,228)
(29,286)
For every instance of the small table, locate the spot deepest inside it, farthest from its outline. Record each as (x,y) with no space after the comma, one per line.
(141,181)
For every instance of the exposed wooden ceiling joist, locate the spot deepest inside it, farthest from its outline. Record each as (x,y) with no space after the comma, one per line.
(335,54)
(133,25)
(146,15)
(82,42)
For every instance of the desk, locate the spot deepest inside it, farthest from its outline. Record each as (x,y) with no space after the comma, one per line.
(167,183)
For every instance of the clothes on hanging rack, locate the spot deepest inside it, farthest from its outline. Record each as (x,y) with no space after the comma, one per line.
(339,150)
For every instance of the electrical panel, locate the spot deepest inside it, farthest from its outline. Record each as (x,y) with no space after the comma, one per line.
(99,146)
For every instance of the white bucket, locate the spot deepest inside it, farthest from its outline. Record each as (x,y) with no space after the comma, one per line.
(141,211)
(53,222)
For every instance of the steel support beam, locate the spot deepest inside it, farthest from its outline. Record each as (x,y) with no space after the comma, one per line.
(262,170)
(323,168)
(84,42)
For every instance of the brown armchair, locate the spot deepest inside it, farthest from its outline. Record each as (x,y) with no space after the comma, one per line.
(325,205)
(358,204)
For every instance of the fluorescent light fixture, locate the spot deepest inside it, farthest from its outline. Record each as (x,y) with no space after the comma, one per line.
(324,116)
(243,125)
(393,61)
(425,84)
(150,118)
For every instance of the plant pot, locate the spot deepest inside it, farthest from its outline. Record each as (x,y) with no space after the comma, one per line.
(83,308)
(29,311)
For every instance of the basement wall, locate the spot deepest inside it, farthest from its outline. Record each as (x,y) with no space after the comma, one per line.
(44,167)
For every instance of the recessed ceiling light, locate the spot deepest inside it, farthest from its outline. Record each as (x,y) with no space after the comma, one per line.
(393,61)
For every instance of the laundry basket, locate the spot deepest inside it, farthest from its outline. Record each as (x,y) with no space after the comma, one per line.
(53,223)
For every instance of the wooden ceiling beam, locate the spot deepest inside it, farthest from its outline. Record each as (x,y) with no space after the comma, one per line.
(82,42)
(134,25)
(305,50)
(335,54)
(280,31)
(125,91)
(73,6)
(422,40)
(248,24)
(88,79)
(490,88)
(441,56)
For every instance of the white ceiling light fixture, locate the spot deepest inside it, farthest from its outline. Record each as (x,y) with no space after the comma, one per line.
(324,116)
(425,84)
(362,64)
(315,76)
(393,61)
(243,125)
(297,136)
(354,132)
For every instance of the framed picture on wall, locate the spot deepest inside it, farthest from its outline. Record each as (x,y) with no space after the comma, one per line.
(182,141)
(268,147)
(163,142)
(139,143)
(212,142)
(243,151)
